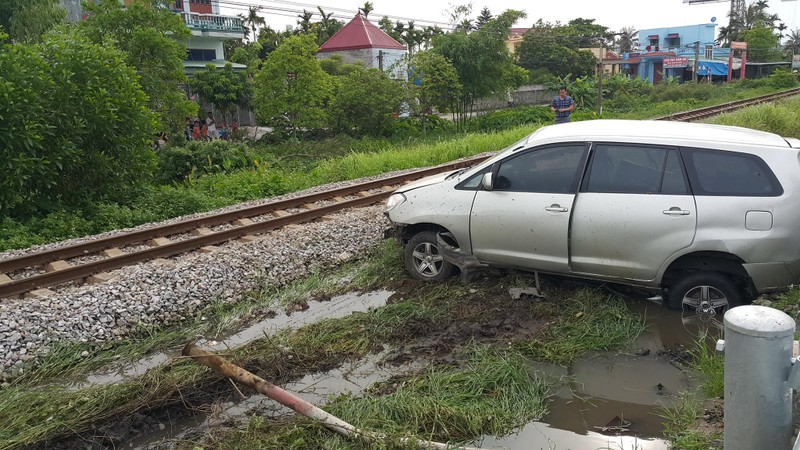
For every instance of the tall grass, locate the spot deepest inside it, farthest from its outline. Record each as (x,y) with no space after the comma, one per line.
(781,118)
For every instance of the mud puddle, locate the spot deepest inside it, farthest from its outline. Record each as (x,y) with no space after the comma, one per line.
(352,378)
(337,307)
(613,400)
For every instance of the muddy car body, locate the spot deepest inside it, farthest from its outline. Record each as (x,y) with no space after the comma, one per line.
(708,214)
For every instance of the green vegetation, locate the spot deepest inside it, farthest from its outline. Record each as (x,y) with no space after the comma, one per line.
(481,387)
(60,147)
(780,118)
(679,426)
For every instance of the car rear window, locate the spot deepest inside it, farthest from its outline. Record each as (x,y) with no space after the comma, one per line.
(716,172)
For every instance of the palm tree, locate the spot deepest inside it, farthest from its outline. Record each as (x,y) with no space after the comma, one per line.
(792,45)
(305,20)
(366,9)
(627,40)
(253,20)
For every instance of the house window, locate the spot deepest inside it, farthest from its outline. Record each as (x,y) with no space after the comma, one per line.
(199,54)
(709,51)
(672,40)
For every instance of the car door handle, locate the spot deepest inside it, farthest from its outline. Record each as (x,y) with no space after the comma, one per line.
(556,208)
(675,211)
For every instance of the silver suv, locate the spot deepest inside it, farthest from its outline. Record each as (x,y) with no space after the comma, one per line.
(708,214)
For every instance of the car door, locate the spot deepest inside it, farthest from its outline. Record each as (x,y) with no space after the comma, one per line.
(633,212)
(524,220)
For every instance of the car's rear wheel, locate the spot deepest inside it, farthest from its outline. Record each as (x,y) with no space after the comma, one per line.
(704,292)
(423,259)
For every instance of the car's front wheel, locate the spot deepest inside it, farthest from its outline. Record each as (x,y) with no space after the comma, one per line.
(704,292)
(423,259)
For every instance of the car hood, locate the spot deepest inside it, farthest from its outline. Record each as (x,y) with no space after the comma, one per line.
(427,181)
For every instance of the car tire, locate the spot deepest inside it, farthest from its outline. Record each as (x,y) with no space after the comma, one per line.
(423,259)
(703,291)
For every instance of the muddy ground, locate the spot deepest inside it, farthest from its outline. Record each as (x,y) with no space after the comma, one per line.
(496,319)
(485,315)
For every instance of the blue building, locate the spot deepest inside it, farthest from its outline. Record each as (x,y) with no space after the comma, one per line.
(670,52)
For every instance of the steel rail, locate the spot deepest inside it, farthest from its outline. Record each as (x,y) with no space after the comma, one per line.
(28,284)
(701,113)
(95,246)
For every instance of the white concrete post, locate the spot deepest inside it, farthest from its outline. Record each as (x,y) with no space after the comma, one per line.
(758,399)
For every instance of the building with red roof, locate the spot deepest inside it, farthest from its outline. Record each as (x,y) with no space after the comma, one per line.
(361,42)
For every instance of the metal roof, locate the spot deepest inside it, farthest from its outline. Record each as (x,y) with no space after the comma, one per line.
(360,33)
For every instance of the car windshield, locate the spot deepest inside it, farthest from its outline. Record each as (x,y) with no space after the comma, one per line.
(510,149)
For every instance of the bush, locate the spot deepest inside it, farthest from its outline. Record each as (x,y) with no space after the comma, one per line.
(671,92)
(509,118)
(782,79)
(75,125)
(200,158)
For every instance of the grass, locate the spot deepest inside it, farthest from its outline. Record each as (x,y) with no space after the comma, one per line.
(578,329)
(780,118)
(487,392)
(492,393)
(679,422)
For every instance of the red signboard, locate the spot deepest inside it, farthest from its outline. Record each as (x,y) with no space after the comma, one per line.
(675,62)
(738,45)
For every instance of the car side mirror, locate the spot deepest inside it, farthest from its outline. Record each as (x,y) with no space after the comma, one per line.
(486,181)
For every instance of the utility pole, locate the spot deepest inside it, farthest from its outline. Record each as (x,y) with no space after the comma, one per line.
(696,60)
(380,60)
(600,80)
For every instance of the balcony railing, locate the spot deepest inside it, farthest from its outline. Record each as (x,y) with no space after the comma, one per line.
(213,22)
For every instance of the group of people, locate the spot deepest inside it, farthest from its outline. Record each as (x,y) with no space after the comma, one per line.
(206,129)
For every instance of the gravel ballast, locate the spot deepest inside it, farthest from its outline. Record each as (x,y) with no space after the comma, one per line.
(164,292)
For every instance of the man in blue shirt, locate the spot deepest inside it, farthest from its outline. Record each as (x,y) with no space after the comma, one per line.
(562,105)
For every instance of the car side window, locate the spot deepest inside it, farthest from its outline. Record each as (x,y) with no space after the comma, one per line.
(632,169)
(549,170)
(717,172)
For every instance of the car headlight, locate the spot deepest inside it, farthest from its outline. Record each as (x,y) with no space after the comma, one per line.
(394,201)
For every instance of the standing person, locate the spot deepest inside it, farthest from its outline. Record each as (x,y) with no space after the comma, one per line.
(562,105)
(196,130)
(204,131)
(188,129)
(212,126)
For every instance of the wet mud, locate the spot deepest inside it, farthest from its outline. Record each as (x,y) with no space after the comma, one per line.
(605,400)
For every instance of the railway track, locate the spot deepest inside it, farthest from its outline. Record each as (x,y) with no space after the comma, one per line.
(80,262)
(88,261)
(702,113)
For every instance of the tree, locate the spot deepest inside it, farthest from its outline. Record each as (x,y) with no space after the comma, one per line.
(253,20)
(584,33)
(153,41)
(28,21)
(745,19)
(365,101)
(627,40)
(482,61)
(554,50)
(292,85)
(326,27)
(762,44)
(483,18)
(792,46)
(366,9)
(305,21)
(224,88)
(435,83)
(76,125)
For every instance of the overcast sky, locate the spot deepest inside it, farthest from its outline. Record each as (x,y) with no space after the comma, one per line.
(613,14)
